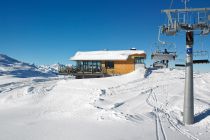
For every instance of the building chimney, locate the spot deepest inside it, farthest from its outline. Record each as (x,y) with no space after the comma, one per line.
(133,49)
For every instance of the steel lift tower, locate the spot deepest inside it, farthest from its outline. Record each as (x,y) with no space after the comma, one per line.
(189,20)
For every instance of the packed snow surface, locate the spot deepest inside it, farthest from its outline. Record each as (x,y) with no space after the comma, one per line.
(145,104)
(105,55)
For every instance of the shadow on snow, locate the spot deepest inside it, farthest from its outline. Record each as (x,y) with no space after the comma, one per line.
(204,114)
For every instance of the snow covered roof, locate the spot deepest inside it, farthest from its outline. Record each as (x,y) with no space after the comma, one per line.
(105,55)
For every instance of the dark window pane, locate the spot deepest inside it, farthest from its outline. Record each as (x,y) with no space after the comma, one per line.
(109,64)
(89,66)
(139,60)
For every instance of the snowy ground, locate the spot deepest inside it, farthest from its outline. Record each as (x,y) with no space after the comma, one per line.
(139,105)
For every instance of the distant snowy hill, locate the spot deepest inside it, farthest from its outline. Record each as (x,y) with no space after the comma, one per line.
(49,68)
(11,66)
(52,68)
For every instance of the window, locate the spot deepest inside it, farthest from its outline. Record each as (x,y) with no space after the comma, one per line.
(79,65)
(109,64)
(139,60)
(96,65)
(89,66)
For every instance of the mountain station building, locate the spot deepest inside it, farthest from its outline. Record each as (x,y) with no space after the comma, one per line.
(107,63)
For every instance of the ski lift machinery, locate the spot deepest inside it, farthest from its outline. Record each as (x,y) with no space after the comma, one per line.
(181,20)
(164,52)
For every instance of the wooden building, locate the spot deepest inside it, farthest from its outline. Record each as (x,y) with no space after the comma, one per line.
(105,63)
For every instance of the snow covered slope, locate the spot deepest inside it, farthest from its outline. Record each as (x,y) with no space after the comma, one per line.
(139,105)
(10,66)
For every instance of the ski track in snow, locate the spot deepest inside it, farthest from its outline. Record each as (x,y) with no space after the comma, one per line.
(36,89)
(160,109)
(17,85)
(165,113)
(160,132)
(118,101)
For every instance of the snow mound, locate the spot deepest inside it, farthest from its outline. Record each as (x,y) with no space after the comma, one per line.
(11,66)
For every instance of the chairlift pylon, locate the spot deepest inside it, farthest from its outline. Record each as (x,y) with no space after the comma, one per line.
(188,26)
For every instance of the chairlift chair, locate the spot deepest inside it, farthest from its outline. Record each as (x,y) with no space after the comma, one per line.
(159,64)
(202,57)
(164,50)
(170,30)
(162,58)
(180,63)
(203,61)
(158,56)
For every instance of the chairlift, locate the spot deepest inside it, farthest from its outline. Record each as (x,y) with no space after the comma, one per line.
(203,61)
(181,63)
(160,64)
(170,30)
(205,31)
(202,57)
(164,50)
(165,55)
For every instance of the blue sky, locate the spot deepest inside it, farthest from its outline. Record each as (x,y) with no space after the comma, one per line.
(50,31)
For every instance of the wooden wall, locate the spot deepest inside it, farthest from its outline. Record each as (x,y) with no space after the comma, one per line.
(123,67)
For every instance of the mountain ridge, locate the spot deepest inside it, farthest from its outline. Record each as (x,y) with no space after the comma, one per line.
(16,68)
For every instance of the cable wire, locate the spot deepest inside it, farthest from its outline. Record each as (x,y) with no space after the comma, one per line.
(171,4)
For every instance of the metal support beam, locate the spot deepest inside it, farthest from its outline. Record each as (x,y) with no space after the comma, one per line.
(188,116)
(185,10)
(169,18)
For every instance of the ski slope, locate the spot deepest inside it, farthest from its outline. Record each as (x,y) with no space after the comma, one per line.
(145,104)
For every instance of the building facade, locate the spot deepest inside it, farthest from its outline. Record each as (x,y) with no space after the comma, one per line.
(100,63)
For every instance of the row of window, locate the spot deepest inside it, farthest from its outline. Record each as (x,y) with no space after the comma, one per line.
(90,66)
(96,65)
(139,60)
